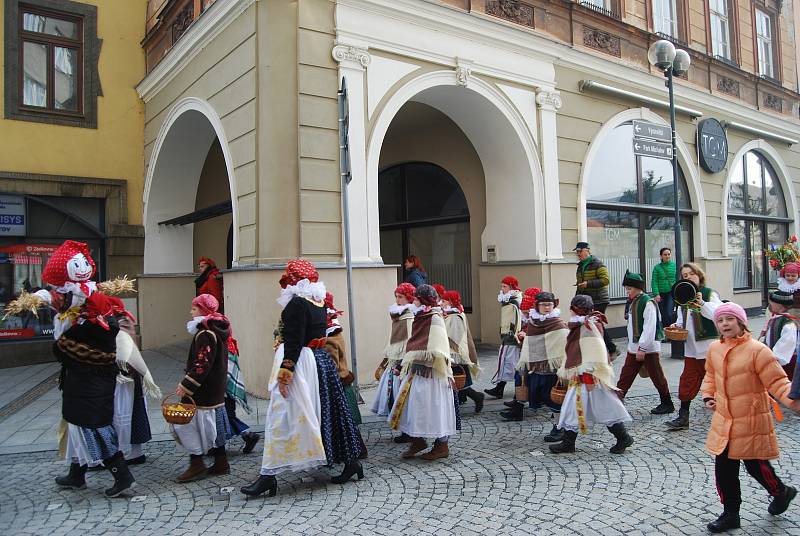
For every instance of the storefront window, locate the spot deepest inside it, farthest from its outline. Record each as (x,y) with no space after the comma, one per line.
(40,226)
(423,212)
(630,214)
(757,219)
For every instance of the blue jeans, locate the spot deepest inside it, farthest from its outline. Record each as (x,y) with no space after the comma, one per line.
(666,307)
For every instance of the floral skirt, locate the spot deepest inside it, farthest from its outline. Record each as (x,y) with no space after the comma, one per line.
(90,446)
(340,436)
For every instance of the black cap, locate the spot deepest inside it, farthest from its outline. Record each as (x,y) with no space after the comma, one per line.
(581,245)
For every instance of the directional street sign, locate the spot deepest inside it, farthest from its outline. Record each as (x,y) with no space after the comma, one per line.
(652,148)
(654,131)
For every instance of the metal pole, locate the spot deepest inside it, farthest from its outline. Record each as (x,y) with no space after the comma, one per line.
(675,188)
(344,167)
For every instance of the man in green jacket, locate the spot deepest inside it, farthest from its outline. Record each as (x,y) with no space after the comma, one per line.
(663,279)
(592,280)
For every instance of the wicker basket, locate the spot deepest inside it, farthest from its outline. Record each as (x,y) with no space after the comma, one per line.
(558,392)
(174,415)
(459,377)
(676,334)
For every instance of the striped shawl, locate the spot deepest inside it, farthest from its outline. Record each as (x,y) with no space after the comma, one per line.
(586,351)
(462,347)
(428,348)
(544,346)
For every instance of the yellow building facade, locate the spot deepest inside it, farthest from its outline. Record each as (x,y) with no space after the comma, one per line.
(71,161)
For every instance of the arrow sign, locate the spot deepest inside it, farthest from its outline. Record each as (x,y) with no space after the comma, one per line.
(653,149)
(654,131)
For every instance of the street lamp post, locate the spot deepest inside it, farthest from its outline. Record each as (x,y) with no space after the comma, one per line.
(663,56)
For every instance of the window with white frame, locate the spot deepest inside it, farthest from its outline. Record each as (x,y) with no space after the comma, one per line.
(720,29)
(665,17)
(764,40)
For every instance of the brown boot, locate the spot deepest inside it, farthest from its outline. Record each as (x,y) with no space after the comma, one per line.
(221,466)
(418,444)
(439,450)
(197,469)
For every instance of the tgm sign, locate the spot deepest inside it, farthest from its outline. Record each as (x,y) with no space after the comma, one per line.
(712,145)
(12,215)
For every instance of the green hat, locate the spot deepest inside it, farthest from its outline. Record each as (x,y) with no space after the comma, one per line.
(633,280)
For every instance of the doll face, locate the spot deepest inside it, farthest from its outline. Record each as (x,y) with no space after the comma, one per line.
(505,289)
(78,268)
(791,277)
(400,299)
(545,307)
(728,326)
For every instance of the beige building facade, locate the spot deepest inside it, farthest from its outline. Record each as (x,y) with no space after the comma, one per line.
(485,137)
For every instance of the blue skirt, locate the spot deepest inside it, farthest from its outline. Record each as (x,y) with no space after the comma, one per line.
(101,442)
(237,426)
(223,426)
(539,386)
(340,437)
(140,424)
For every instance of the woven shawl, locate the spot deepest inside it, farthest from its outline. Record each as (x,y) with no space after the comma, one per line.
(235,387)
(401,330)
(462,347)
(428,345)
(510,316)
(544,346)
(586,351)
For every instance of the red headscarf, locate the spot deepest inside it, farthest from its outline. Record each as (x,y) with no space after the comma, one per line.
(208,305)
(296,271)
(440,290)
(511,281)
(96,308)
(529,298)
(407,290)
(791,268)
(454,298)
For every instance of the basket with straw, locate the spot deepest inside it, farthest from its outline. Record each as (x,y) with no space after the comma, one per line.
(180,413)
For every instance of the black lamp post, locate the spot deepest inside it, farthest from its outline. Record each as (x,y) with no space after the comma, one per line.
(663,56)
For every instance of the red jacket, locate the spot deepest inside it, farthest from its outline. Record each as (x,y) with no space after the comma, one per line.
(212,285)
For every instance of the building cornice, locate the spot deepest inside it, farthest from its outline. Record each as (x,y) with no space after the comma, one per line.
(483,29)
(212,23)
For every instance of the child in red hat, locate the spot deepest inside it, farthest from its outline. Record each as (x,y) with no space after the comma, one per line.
(462,347)
(510,298)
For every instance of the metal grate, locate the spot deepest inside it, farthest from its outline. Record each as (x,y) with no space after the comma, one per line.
(597,9)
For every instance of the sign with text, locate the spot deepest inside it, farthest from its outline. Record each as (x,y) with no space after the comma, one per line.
(654,131)
(12,215)
(712,145)
(653,149)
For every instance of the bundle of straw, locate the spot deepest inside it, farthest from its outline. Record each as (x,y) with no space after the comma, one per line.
(118,286)
(25,303)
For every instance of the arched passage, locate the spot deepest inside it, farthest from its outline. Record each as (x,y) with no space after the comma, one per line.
(504,143)
(191,151)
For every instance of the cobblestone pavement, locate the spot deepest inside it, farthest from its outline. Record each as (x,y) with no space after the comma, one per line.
(500,479)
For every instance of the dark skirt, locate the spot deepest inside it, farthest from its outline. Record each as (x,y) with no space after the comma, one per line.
(101,442)
(340,436)
(352,403)
(140,424)
(237,427)
(794,394)
(539,386)
(223,427)
(458,409)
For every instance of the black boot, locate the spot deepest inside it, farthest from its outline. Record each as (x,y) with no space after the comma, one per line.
(681,422)
(75,479)
(264,483)
(462,396)
(624,440)
(725,522)
(555,435)
(123,479)
(221,465)
(567,444)
(781,502)
(402,438)
(250,440)
(513,414)
(351,468)
(665,407)
(476,397)
(497,390)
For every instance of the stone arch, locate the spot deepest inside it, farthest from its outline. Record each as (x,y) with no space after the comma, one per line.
(506,147)
(684,160)
(185,136)
(784,176)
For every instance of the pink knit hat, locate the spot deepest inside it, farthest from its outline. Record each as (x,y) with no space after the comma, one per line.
(732,309)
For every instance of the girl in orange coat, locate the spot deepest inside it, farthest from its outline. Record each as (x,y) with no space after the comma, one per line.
(741,373)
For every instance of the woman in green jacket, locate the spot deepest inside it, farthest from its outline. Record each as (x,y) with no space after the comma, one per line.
(663,279)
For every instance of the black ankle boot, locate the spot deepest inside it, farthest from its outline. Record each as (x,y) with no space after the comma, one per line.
(123,479)
(681,422)
(624,440)
(513,414)
(264,483)
(781,502)
(665,407)
(351,468)
(567,444)
(497,390)
(75,479)
(476,397)
(727,521)
(250,440)
(555,435)
(402,438)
